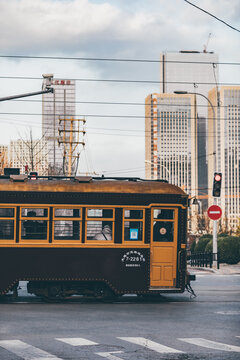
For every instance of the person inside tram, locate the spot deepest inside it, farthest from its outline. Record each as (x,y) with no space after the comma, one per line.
(106,233)
(33,228)
(163,231)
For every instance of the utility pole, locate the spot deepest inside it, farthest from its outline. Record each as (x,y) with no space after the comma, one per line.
(69,141)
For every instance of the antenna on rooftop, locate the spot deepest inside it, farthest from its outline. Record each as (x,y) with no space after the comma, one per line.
(206,45)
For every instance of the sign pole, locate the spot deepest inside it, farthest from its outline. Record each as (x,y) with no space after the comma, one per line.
(214,213)
(215,253)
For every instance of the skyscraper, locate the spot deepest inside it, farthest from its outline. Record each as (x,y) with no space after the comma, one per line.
(194,72)
(171,147)
(55,107)
(224,140)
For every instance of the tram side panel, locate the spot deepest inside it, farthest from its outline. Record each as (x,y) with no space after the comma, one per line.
(124,270)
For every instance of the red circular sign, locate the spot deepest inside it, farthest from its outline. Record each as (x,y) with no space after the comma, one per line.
(214,212)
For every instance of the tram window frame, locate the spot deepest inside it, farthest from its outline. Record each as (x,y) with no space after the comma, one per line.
(172,221)
(73,218)
(9,218)
(23,218)
(90,218)
(136,219)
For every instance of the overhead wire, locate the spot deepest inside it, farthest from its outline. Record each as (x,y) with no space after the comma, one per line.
(77,58)
(214,16)
(125,81)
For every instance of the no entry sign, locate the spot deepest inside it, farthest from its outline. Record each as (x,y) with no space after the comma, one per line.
(214,212)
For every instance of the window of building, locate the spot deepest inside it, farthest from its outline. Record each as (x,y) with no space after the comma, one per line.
(100,225)
(133,225)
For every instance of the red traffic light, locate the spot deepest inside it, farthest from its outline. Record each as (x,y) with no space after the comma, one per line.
(217,181)
(217,177)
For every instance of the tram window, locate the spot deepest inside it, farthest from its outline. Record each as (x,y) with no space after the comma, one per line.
(63,212)
(133,214)
(99,230)
(6,229)
(163,231)
(66,230)
(34,229)
(6,212)
(133,230)
(100,213)
(163,214)
(36,212)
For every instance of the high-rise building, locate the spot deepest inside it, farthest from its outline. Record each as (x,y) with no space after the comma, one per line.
(224,140)
(194,72)
(171,147)
(56,108)
(3,158)
(29,155)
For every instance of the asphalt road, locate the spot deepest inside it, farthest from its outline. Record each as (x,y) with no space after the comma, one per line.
(173,327)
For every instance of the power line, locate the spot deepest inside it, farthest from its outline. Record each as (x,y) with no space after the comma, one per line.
(125,81)
(108,116)
(215,17)
(115,59)
(121,103)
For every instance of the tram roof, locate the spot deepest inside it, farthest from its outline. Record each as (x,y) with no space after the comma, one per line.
(88,184)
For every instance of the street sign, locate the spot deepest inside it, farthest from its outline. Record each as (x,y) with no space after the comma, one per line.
(214,212)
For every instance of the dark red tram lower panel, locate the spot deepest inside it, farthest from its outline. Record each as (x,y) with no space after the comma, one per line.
(124,270)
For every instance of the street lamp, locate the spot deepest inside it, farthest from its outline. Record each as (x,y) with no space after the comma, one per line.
(164,167)
(215,261)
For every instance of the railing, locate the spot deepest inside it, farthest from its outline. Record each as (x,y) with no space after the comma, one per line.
(203,259)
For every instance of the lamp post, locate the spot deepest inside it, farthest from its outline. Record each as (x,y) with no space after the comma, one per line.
(164,167)
(215,260)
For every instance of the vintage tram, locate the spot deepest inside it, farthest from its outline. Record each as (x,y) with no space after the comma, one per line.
(96,237)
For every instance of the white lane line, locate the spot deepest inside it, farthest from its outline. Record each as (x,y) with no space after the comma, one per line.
(211,344)
(25,351)
(152,345)
(109,356)
(228,312)
(77,341)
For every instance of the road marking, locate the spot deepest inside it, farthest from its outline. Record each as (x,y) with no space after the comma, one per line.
(109,356)
(77,341)
(25,351)
(211,344)
(152,345)
(228,312)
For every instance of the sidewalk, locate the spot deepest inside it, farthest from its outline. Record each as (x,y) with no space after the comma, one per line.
(224,269)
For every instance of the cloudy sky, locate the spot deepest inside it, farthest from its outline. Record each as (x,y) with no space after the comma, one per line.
(117,29)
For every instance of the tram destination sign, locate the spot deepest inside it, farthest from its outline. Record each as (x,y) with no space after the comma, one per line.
(214,212)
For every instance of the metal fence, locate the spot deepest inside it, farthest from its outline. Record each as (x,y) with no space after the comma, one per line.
(203,259)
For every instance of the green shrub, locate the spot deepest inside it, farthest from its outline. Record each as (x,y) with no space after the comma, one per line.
(228,249)
(202,243)
(193,246)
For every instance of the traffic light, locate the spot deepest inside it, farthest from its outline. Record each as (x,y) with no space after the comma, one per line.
(217,181)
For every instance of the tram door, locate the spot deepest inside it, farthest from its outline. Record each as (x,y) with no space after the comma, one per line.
(163,247)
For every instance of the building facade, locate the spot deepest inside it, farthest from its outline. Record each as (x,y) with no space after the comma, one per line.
(224,140)
(3,158)
(30,155)
(194,72)
(57,109)
(171,140)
